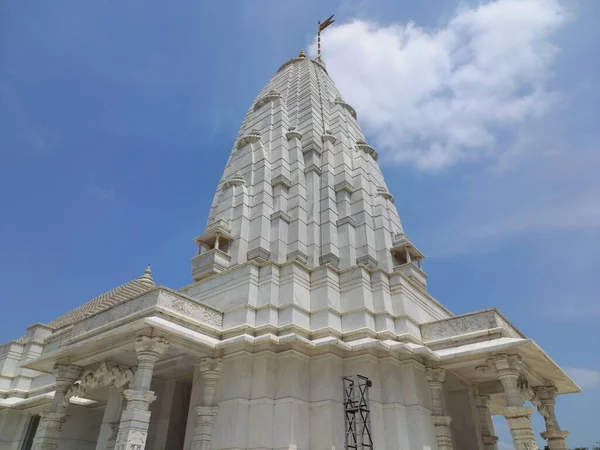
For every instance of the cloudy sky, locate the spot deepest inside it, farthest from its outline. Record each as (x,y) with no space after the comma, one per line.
(116,119)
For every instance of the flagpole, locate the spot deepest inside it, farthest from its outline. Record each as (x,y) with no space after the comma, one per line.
(321,27)
(319,40)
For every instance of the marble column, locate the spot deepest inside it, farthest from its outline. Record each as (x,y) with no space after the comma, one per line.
(133,429)
(482,403)
(517,415)
(50,428)
(111,419)
(443,432)
(210,368)
(555,437)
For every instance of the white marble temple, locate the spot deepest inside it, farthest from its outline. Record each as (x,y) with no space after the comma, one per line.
(303,275)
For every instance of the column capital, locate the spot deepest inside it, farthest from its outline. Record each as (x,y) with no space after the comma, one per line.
(441,421)
(506,362)
(557,434)
(490,440)
(57,416)
(513,412)
(151,345)
(546,394)
(210,365)
(482,401)
(436,375)
(66,374)
(139,395)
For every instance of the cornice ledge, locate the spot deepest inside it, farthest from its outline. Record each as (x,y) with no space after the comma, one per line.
(280,215)
(283,180)
(346,221)
(344,185)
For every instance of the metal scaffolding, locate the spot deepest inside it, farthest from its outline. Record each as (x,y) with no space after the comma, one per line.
(358,413)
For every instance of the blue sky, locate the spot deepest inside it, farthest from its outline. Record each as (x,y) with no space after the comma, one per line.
(116,119)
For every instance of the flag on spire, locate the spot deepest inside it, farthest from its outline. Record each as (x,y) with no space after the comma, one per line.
(326,23)
(321,27)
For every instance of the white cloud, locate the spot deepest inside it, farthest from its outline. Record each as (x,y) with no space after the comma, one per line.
(585,378)
(433,98)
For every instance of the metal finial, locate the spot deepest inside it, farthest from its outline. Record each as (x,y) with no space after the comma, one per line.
(302,54)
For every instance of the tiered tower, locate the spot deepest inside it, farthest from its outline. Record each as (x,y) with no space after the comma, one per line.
(305,254)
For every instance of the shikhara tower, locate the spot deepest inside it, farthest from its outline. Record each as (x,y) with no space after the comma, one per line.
(308,324)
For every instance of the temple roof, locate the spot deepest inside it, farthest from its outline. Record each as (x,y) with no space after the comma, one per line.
(113,297)
(301,182)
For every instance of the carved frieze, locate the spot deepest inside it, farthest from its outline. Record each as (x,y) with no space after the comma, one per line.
(470,323)
(108,374)
(192,309)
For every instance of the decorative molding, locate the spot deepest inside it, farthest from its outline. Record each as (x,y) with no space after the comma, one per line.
(470,323)
(193,310)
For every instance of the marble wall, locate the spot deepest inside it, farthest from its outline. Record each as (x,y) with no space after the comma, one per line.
(289,400)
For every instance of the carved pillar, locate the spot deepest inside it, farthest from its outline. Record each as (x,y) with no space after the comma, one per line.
(50,428)
(556,438)
(135,419)
(516,414)
(435,379)
(210,369)
(110,421)
(484,414)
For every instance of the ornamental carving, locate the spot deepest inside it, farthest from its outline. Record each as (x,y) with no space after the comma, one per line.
(208,364)
(198,312)
(529,395)
(458,325)
(108,374)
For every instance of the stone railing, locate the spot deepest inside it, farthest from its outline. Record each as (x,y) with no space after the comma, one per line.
(490,321)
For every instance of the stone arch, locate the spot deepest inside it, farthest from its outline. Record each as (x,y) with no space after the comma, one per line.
(108,374)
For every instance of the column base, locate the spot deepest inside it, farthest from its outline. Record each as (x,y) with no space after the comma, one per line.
(203,431)
(49,432)
(519,423)
(443,432)
(557,440)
